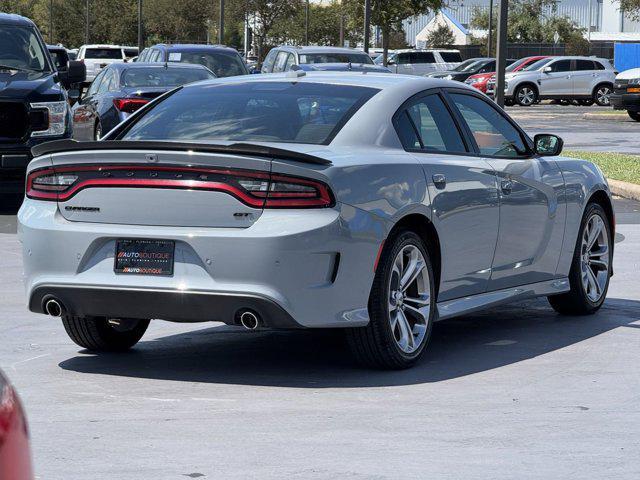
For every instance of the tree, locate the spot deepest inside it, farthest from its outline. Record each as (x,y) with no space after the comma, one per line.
(389,14)
(631,8)
(441,36)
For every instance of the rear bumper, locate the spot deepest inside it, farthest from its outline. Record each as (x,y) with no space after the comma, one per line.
(626,101)
(172,305)
(309,268)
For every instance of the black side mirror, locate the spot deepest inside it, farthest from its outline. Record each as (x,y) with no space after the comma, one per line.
(547,145)
(76,73)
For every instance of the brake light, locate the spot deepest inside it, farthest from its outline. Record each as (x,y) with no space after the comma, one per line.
(129,105)
(254,188)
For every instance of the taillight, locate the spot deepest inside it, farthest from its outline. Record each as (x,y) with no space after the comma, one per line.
(254,188)
(129,105)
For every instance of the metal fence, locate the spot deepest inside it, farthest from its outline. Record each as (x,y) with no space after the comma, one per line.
(516,50)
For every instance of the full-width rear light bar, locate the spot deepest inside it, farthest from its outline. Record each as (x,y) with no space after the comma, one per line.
(252,187)
(129,105)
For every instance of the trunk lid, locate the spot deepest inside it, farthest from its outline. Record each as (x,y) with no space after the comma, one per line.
(161,188)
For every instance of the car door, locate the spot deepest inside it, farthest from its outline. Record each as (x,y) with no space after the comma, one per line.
(583,76)
(557,80)
(531,191)
(404,63)
(463,192)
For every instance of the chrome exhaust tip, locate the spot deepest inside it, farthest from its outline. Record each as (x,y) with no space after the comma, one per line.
(249,320)
(53,307)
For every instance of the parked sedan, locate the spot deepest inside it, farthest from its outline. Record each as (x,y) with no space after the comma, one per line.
(121,89)
(371,202)
(482,65)
(15,452)
(480,81)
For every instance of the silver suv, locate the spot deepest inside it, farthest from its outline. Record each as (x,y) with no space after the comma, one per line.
(586,79)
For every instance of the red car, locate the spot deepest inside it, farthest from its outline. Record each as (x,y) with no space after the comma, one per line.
(15,453)
(480,80)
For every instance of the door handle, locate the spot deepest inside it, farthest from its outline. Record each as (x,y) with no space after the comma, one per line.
(506,186)
(439,180)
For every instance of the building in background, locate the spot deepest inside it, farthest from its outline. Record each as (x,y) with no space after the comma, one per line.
(608,24)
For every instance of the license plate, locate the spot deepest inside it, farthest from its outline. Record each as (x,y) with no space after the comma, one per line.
(144,256)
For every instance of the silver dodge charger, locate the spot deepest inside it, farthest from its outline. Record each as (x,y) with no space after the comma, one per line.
(374,203)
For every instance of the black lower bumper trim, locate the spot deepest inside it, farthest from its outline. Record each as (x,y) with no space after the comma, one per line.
(168,305)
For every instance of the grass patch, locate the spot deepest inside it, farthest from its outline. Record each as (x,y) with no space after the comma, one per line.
(618,166)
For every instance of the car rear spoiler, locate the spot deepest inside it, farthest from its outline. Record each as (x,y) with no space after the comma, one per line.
(67,145)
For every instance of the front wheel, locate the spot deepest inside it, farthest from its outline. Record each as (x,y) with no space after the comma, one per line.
(634,115)
(602,94)
(401,306)
(102,334)
(590,268)
(526,95)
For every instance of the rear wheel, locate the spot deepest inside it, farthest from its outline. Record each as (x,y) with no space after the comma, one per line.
(590,268)
(401,306)
(601,95)
(102,334)
(526,95)
(634,115)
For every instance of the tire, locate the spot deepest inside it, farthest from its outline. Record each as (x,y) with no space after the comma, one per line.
(578,300)
(100,334)
(97,132)
(634,115)
(601,94)
(586,102)
(381,344)
(525,95)
(508,102)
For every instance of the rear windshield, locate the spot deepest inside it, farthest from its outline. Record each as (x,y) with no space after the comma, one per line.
(104,53)
(252,111)
(223,65)
(335,58)
(162,77)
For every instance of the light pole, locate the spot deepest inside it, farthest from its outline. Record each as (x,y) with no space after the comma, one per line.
(490,39)
(221,28)
(367,24)
(501,51)
(140,29)
(86,29)
(51,22)
(306,23)
(590,21)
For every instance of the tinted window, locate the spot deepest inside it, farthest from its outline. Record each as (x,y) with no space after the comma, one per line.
(493,133)
(335,58)
(422,57)
(403,58)
(537,65)
(20,48)
(561,66)
(599,66)
(451,57)
(221,64)
(584,65)
(104,53)
(268,62)
(60,59)
(252,111)
(516,64)
(427,125)
(162,77)
(487,67)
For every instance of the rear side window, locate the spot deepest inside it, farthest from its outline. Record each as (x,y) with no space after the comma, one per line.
(451,57)
(104,53)
(599,66)
(252,111)
(584,65)
(492,132)
(422,57)
(561,66)
(427,125)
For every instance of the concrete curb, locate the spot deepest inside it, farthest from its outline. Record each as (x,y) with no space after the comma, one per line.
(606,116)
(625,189)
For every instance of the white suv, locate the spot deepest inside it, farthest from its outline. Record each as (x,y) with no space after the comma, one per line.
(586,79)
(96,57)
(419,62)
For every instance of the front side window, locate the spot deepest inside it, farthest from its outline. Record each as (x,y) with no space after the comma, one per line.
(493,133)
(268,62)
(427,125)
(561,66)
(280,62)
(251,111)
(20,49)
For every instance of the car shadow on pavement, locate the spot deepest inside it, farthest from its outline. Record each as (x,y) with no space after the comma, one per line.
(320,359)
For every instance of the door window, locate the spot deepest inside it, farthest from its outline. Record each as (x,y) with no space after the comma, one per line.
(280,63)
(106,82)
(268,62)
(422,57)
(451,57)
(584,65)
(289,63)
(403,59)
(561,66)
(492,132)
(427,125)
(95,84)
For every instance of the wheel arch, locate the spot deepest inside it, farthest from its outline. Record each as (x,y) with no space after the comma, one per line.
(602,198)
(424,228)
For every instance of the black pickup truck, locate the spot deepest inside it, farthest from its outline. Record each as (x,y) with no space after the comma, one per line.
(34,103)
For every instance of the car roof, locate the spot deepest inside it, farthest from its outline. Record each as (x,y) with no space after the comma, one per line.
(194,47)
(319,49)
(55,47)
(96,45)
(14,19)
(407,50)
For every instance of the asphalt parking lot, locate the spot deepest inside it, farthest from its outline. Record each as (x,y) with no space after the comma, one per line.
(515,392)
(597,131)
